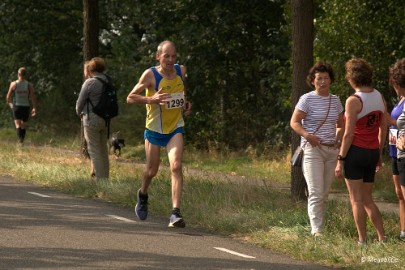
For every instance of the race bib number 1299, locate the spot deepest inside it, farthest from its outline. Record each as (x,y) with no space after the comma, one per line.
(176,101)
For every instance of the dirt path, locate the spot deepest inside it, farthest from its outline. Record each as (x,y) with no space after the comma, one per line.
(386,207)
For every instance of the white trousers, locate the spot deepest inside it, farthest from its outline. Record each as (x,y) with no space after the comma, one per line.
(319,169)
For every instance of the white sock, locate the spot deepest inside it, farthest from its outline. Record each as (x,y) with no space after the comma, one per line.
(402,234)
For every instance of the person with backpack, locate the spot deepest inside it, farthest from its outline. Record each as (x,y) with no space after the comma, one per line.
(84,142)
(20,97)
(95,127)
(165,100)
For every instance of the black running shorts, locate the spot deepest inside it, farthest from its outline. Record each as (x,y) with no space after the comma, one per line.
(21,113)
(361,163)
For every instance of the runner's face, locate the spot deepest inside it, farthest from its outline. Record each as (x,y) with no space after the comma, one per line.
(399,90)
(167,58)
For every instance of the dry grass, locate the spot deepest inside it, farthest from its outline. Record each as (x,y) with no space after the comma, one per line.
(229,203)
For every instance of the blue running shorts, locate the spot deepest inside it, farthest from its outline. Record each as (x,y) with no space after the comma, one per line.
(161,139)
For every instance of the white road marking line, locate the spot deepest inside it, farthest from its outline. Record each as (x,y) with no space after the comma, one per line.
(39,194)
(120,218)
(234,253)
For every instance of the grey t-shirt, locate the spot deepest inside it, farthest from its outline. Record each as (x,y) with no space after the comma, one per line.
(92,89)
(22,94)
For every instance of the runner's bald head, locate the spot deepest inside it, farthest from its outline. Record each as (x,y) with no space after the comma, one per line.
(162,44)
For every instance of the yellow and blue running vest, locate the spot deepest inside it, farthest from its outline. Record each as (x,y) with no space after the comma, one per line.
(164,119)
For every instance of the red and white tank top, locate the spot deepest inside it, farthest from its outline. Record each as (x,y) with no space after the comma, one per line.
(369,120)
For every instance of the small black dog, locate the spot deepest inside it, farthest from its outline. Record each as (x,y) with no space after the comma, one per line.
(116,144)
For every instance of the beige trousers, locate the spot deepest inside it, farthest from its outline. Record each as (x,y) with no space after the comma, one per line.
(95,132)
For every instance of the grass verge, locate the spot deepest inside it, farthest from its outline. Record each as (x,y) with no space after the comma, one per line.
(250,211)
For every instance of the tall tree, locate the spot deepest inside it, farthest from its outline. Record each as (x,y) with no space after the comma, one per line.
(90,29)
(90,46)
(302,57)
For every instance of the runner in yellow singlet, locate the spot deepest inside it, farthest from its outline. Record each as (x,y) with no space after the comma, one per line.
(167,118)
(165,99)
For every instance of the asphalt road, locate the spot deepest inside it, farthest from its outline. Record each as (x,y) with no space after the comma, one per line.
(44,229)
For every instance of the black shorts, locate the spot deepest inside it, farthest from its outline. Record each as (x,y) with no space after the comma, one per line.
(361,163)
(21,113)
(401,170)
(394,166)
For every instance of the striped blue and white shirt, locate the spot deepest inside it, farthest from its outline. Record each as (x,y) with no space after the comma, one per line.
(316,108)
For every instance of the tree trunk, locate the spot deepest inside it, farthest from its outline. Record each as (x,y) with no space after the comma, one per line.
(90,29)
(302,57)
(90,49)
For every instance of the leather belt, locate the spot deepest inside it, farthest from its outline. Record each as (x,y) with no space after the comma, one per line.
(328,144)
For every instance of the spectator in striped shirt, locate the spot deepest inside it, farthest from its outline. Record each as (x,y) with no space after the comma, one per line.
(318,119)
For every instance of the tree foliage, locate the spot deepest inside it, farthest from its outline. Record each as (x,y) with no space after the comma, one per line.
(237,53)
(373,30)
(44,36)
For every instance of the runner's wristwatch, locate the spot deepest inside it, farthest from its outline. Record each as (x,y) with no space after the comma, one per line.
(341,158)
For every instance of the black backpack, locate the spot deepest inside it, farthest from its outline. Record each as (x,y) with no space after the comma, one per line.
(107,107)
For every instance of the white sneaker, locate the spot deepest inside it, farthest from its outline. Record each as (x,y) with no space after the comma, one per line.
(361,243)
(317,234)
